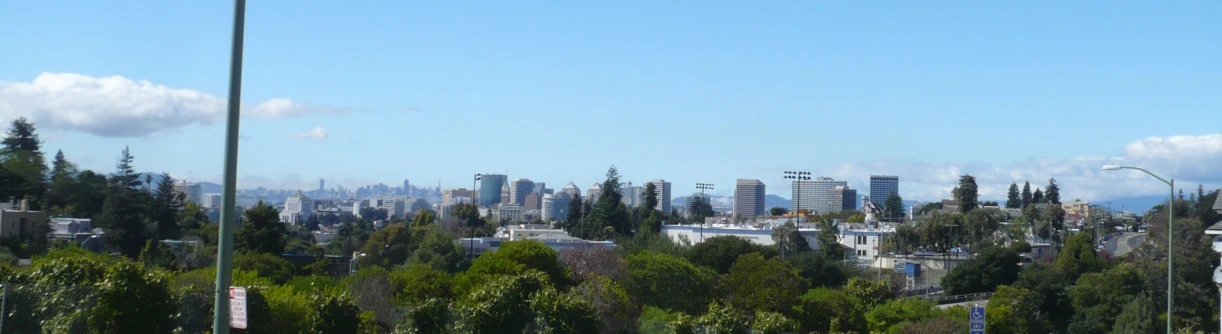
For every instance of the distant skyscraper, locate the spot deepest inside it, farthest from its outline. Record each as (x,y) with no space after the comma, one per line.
(842,198)
(394,207)
(189,190)
(321,184)
(358,205)
(631,194)
(539,187)
(556,207)
(212,200)
(882,186)
(506,195)
(407,187)
(593,193)
(814,194)
(663,188)
(571,189)
(490,189)
(518,190)
(452,197)
(749,198)
(533,201)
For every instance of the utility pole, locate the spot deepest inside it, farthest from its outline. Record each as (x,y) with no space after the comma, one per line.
(224,256)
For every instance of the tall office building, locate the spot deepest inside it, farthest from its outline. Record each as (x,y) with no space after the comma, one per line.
(189,190)
(749,198)
(490,189)
(321,184)
(572,190)
(518,190)
(540,187)
(842,198)
(394,207)
(593,193)
(452,197)
(812,195)
(407,187)
(882,186)
(663,188)
(533,201)
(358,205)
(556,207)
(631,195)
(212,200)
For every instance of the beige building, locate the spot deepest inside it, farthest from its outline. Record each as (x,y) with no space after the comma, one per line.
(19,220)
(1077,207)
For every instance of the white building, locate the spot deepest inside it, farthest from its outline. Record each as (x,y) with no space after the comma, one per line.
(572,190)
(189,190)
(358,205)
(632,195)
(556,207)
(511,212)
(861,243)
(212,200)
(394,207)
(593,193)
(663,188)
(297,208)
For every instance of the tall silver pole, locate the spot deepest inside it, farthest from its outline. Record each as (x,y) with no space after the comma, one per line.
(1170,218)
(224,258)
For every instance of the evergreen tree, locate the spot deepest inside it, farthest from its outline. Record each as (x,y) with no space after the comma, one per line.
(262,231)
(893,207)
(828,238)
(191,219)
(1027,194)
(1181,194)
(1053,193)
(1013,198)
(575,211)
(24,166)
(1038,196)
(966,195)
(653,222)
(1200,191)
(63,180)
(123,212)
(167,206)
(608,210)
(651,196)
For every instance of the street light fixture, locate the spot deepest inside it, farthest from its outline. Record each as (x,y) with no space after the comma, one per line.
(703,187)
(471,224)
(1170,219)
(798,177)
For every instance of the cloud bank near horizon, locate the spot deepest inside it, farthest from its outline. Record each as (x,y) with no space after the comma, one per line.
(116,106)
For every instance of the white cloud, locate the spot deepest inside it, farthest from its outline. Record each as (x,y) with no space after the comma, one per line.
(1190,160)
(115,106)
(316,133)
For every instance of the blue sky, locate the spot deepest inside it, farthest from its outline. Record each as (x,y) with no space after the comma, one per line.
(686,91)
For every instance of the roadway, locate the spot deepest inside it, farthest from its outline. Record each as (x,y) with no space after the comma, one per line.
(1124,244)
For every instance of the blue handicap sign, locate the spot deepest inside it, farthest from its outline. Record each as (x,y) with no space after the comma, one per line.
(976,320)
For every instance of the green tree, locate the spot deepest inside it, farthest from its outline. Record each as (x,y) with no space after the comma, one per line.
(650,195)
(438,250)
(829,240)
(670,282)
(1053,194)
(123,212)
(1014,310)
(893,207)
(825,310)
(418,283)
(270,266)
(514,258)
(867,294)
(63,183)
(167,205)
(701,208)
(157,254)
(772,323)
(992,267)
(611,303)
(719,253)
(1013,199)
(608,210)
(1028,198)
(888,317)
(1038,196)
(904,241)
(423,217)
(1099,298)
(778,211)
(562,313)
(388,247)
(22,159)
(420,204)
(966,194)
(192,219)
(261,231)
(1078,257)
(1048,287)
(429,316)
(725,319)
(819,270)
(789,240)
(575,213)
(1138,316)
(501,305)
(653,222)
(759,284)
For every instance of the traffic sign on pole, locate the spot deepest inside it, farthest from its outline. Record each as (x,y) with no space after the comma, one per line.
(976,320)
(237,307)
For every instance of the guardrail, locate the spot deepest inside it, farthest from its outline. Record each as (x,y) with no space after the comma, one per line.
(943,300)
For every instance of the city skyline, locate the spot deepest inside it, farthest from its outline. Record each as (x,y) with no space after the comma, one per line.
(1028,103)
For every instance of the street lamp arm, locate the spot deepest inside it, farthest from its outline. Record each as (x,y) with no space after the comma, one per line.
(1160,178)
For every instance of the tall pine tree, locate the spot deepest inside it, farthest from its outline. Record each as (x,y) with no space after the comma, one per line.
(262,231)
(24,167)
(1038,196)
(63,182)
(123,212)
(1053,193)
(1013,198)
(166,208)
(576,209)
(608,210)
(1027,196)
(967,194)
(651,196)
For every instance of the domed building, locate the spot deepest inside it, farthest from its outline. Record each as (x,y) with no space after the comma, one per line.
(571,189)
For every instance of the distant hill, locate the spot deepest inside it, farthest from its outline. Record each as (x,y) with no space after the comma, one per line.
(771,200)
(209,187)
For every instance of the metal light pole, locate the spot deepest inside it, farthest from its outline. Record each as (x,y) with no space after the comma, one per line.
(1170,243)
(798,177)
(703,187)
(224,256)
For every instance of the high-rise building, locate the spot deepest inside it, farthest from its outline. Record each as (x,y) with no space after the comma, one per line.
(191,191)
(407,187)
(842,198)
(297,208)
(749,198)
(490,189)
(572,190)
(321,185)
(540,187)
(812,195)
(506,195)
(518,189)
(882,186)
(534,201)
(593,193)
(358,205)
(212,200)
(663,188)
(556,207)
(452,197)
(395,207)
(631,195)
